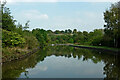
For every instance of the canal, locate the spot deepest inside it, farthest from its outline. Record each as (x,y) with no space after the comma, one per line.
(64,62)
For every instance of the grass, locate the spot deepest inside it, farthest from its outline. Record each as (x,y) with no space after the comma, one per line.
(101,47)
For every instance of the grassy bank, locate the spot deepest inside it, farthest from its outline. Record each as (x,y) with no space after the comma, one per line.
(98,47)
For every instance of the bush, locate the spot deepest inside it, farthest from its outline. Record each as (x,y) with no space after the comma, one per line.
(31,40)
(11,39)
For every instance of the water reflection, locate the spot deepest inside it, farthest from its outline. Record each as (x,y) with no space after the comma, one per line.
(64,61)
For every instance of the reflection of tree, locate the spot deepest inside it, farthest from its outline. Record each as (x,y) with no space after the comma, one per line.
(111,68)
(15,68)
(26,74)
(112,62)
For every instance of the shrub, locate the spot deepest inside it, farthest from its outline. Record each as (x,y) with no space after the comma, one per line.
(11,39)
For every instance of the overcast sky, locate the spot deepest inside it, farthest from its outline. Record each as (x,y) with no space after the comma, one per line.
(60,15)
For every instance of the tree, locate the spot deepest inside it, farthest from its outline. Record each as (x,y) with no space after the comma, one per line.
(0,17)
(78,37)
(49,31)
(74,31)
(8,22)
(19,29)
(96,37)
(26,25)
(57,32)
(112,27)
(69,31)
(41,36)
(66,31)
(85,33)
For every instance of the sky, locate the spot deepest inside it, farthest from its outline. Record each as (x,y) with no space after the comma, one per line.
(58,15)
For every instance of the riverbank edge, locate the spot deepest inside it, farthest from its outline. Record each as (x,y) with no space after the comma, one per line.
(22,56)
(97,48)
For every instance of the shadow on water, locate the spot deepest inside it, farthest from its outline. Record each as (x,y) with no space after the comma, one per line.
(111,67)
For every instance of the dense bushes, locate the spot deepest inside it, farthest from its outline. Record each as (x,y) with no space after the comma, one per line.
(31,40)
(41,36)
(11,39)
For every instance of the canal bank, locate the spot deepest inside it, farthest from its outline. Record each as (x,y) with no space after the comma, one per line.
(100,48)
(20,56)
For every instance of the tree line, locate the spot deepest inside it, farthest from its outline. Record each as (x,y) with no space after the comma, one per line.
(77,37)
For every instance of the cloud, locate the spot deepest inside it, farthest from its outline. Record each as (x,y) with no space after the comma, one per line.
(34,15)
(87,20)
(37,70)
(89,0)
(42,68)
(11,1)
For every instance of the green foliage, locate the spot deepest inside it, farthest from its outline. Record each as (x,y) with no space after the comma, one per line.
(96,37)
(91,38)
(112,27)
(78,37)
(31,41)
(70,40)
(16,35)
(0,18)
(41,36)
(69,31)
(11,39)
(8,22)
(19,29)
(57,32)
(74,31)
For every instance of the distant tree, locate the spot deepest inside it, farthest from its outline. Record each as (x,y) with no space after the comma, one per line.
(57,32)
(49,31)
(66,31)
(74,31)
(85,33)
(78,38)
(62,32)
(69,31)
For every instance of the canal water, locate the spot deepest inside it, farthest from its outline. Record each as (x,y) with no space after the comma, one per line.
(64,62)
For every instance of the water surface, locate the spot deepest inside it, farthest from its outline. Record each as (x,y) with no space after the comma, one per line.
(64,62)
